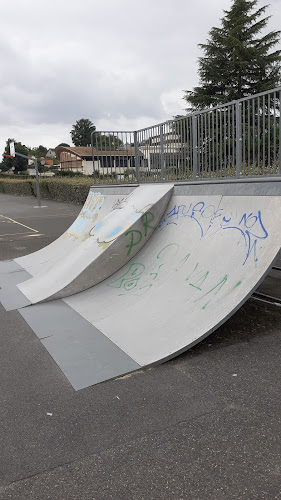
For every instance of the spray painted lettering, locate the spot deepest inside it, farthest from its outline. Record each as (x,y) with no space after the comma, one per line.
(211,219)
(137,236)
(202,286)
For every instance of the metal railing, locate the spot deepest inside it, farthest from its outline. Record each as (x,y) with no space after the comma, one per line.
(238,139)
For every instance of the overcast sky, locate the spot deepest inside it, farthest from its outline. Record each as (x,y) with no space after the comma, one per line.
(122,64)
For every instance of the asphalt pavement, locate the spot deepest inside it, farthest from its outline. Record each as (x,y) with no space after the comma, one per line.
(204,426)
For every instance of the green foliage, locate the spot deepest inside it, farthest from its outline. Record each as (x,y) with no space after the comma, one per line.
(68,190)
(81,132)
(69,173)
(237,61)
(63,144)
(102,141)
(81,136)
(18,163)
(39,152)
(16,186)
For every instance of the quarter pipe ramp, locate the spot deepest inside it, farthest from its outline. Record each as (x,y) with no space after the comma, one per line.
(207,255)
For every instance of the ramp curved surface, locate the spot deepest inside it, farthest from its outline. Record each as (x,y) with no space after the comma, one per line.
(104,247)
(206,258)
(96,206)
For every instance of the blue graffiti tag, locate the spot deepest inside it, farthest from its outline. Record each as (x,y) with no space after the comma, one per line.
(252,230)
(211,219)
(196,212)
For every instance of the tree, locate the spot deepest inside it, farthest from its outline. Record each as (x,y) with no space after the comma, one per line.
(19,163)
(81,132)
(104,141)
(39,152)
(237,61)
(63,144)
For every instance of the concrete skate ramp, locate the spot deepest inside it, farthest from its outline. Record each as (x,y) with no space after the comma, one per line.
(96,206)
(205,259)
(102,249)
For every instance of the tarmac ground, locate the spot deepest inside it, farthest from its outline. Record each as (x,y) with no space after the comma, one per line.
(204,426)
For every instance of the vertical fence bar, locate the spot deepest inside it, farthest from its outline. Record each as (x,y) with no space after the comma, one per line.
(279,145)
(115,140)
(259,139)
(268,134)
(93,157)
(224,140)
(194,145)
(238,139)
(220,142)
(274,132)
(137,159)
(205,144)
(217,142)
(263,134)
(198,136)
(254,131)
(244,139)
(209,145)
(162,154)
(99,157)
(248,135)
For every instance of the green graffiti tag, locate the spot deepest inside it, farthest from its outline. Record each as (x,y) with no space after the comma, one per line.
(137,280)
(136,236)
(130,278)
(215,289)
(200,277)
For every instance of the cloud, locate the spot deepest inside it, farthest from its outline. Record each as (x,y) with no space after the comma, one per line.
(117,65)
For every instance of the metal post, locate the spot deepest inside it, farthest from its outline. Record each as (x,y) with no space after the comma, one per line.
(37,177)
(37,183)
(137,160)
(279,145)
(162,154)
(93,156)
(238,139)
(194,145)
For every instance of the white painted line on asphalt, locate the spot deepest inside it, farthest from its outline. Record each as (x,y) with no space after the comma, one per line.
(33,235)
(25,234)
(19,223)
(12,234)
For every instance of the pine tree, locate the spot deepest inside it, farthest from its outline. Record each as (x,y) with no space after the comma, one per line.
(237,60)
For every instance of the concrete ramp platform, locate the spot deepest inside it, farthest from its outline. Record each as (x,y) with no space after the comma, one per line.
(206,257)
(100,249)
(96,206)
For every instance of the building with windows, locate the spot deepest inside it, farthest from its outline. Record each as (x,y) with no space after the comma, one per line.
(80,159)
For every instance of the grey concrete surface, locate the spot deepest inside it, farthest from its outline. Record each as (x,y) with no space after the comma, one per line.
(44,224)
(82,352)
(103,247)
(206,258)
(203,426)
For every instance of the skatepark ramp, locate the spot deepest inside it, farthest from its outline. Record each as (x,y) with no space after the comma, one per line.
(93,248)
(178,273)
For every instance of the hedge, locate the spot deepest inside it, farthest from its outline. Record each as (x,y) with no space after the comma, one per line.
(74,190)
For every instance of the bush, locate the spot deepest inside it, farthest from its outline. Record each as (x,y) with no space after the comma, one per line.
(69,173)
(69,190)
(20,187)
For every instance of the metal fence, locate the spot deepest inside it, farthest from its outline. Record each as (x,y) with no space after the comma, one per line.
(234,140)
